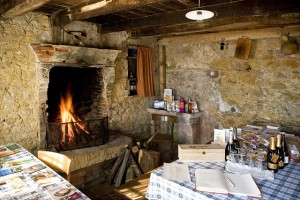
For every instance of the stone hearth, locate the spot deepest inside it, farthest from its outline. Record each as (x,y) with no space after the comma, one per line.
(49,56)
(92,162)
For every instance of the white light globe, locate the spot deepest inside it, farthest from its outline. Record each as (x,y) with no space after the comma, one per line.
(199,14)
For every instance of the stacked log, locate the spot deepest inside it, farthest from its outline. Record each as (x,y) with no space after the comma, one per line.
(132,163)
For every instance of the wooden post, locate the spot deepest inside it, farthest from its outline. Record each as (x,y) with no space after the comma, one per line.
(162,69)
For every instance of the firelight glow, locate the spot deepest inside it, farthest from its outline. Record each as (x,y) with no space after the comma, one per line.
(66,109)
(69,129)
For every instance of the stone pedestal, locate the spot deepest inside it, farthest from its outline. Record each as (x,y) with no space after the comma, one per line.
(189,131)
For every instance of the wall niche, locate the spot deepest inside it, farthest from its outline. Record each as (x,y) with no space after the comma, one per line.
(132,71)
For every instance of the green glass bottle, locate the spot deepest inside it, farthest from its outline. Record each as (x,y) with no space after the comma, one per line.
(272,157)
(279,152)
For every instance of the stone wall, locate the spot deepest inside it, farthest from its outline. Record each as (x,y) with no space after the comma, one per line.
(232,91)
(90,34)
(19,78)
(128,114)
(228,93)
(20,82)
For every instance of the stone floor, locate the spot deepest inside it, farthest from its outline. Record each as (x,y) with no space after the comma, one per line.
(135,189)
(103,192)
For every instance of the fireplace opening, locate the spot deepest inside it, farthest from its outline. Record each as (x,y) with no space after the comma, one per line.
(77,113)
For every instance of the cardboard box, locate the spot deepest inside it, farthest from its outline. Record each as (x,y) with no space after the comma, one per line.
(201,153)
(168,94)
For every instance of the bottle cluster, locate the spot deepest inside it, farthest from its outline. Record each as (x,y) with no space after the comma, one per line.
(181,105)
(233,144)
(278,154)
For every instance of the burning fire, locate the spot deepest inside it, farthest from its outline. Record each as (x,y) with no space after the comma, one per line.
(72,128)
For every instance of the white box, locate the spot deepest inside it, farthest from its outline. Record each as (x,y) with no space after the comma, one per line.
(201,153)
(168,93)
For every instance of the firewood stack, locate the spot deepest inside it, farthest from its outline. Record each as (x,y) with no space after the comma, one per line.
(132,163)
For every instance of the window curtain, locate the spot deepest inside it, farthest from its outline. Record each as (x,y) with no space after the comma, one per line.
(145,84)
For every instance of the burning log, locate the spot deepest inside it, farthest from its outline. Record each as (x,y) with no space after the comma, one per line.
(77,139)
(62,141)
(84,137)
(66,135)
(74,129)
(73,133)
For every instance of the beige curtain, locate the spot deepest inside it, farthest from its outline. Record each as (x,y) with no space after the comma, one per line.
(145,85)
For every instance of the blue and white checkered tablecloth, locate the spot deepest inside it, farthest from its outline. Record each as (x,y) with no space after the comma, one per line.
(285,186)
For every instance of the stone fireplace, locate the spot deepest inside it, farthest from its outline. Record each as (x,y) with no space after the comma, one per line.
(77,112)
(86,73)
(93,68)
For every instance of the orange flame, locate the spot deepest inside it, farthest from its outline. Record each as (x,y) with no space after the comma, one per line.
(66,109)
(67,117)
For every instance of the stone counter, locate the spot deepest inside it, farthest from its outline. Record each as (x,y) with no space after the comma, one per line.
(189,131)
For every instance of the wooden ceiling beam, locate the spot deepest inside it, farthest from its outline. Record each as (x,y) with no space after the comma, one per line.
(236,9)
(13,8)
(112,7)
(221,25)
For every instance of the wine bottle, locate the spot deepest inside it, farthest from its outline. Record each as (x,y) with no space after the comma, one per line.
(190,108)
(227,148)
(285,151)
(236,142)
(230,147)
(272,157)
(279,152)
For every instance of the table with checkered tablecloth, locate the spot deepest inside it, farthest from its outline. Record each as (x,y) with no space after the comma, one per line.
(286,185)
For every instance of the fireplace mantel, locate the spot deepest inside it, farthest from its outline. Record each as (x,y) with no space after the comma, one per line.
(64,55)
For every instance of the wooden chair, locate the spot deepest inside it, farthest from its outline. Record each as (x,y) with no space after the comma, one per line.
(57,162)
(163,128)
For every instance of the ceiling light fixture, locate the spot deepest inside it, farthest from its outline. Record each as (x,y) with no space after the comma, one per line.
(199,14)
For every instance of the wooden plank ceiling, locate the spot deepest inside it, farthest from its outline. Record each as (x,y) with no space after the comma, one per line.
(161,17)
